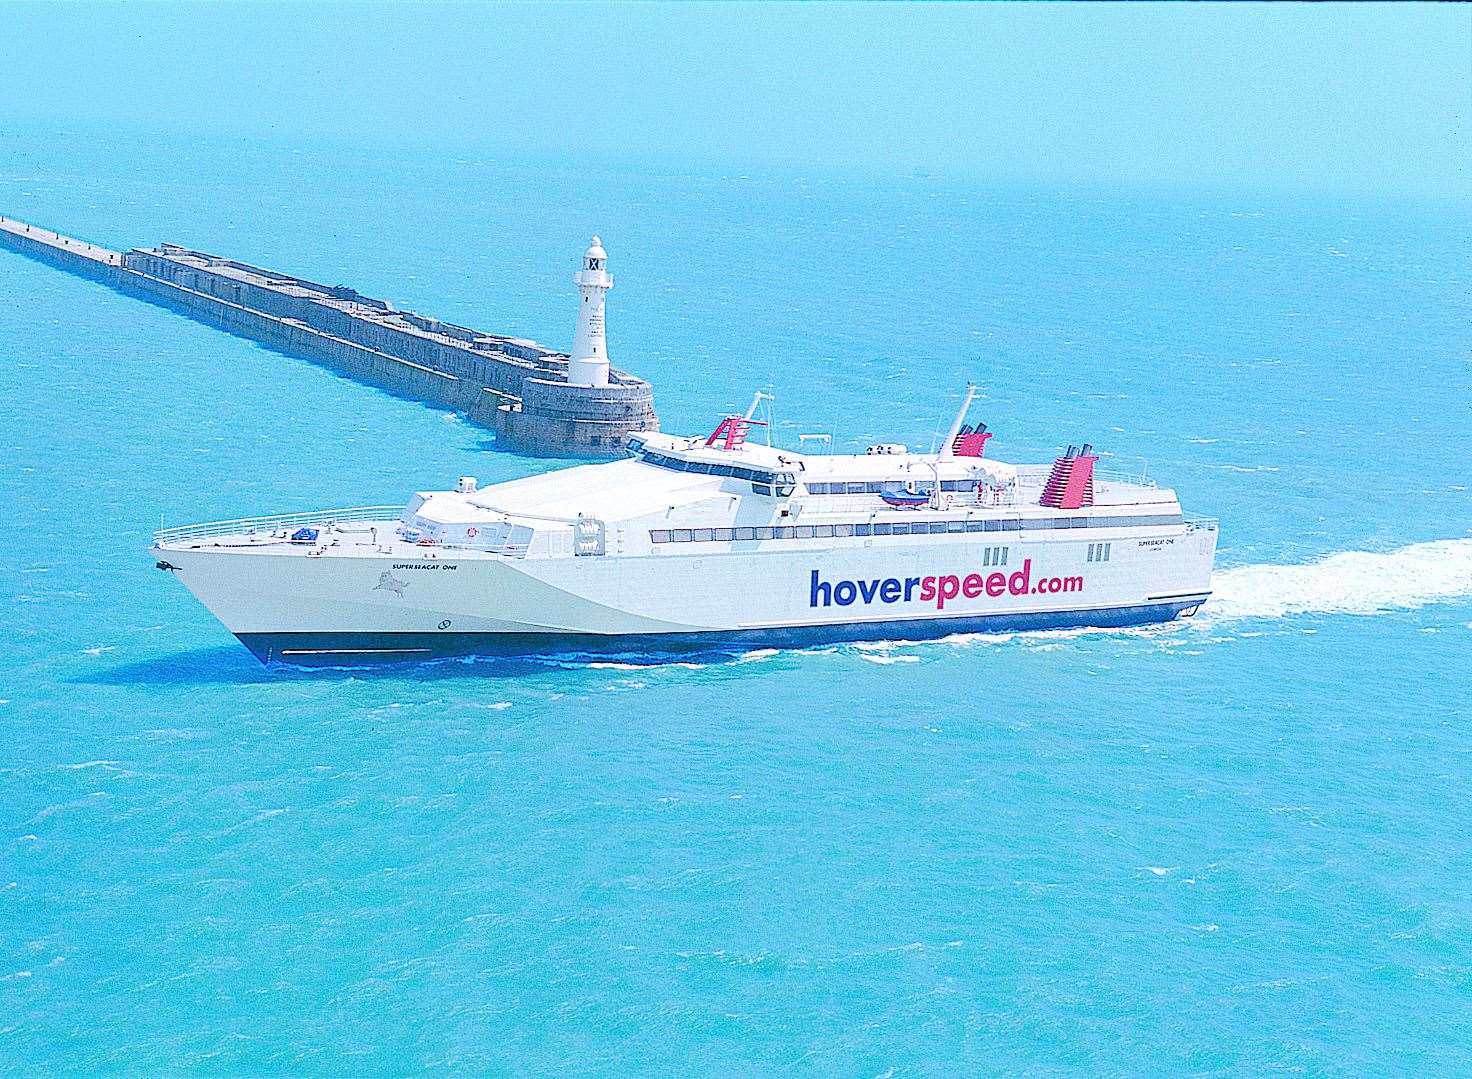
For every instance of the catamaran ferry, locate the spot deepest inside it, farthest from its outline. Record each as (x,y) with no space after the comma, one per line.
(708,541)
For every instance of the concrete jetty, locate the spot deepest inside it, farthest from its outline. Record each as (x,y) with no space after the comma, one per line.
(516,388)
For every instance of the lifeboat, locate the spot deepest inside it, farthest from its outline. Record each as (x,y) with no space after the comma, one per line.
(905,500)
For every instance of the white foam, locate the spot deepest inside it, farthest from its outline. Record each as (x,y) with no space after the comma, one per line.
(613,666)
(1032,636)
(1351,582)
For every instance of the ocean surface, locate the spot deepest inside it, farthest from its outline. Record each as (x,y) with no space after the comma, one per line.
(1241,844)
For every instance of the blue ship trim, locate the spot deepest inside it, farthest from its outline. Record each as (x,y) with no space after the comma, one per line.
(356,649)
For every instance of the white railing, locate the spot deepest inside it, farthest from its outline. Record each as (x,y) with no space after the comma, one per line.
(1037,475)
(1114,475)
(510,550)
(281,522)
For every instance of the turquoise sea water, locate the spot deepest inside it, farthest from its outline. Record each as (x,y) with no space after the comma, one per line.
(1238,845)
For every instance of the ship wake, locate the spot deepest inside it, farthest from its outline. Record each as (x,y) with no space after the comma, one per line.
(1350,582)
(1345,583)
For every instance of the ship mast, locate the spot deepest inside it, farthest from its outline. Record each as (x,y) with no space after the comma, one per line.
(949,448)
(756,402)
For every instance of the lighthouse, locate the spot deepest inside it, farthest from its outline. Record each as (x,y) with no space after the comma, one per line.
(588,364)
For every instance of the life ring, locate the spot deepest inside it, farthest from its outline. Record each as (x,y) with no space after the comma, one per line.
(470,532)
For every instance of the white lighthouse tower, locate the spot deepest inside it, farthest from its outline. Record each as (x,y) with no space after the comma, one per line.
(588,364)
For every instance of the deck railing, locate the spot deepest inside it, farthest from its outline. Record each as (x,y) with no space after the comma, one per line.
(1115,475)
(1037,476)
(280,522)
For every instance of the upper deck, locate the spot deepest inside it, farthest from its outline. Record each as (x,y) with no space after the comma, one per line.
(838,482)
(673,491)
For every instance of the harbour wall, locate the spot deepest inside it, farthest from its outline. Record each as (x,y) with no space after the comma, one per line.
(514,387)
(67,252)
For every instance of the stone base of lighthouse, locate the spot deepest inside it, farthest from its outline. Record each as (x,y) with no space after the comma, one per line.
(554,419)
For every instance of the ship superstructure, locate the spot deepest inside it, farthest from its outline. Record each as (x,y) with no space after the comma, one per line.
(705,541)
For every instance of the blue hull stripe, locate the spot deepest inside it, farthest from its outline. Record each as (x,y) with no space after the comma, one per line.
(350,649)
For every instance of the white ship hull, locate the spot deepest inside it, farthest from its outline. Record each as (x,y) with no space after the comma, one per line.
(310,608)
(706,543)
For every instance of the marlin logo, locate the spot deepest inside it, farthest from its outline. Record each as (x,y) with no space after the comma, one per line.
(387,582)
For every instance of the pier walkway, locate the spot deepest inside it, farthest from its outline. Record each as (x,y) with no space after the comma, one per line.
(46,238)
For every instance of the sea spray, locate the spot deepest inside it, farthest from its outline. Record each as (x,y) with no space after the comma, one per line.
(1350,582)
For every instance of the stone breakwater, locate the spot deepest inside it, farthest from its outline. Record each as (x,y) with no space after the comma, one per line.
(514,387)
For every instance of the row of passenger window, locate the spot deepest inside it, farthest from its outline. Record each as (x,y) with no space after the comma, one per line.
(874,487)
(1099,552)
(891,528)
